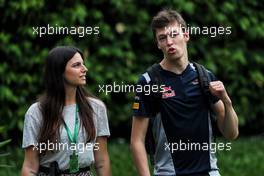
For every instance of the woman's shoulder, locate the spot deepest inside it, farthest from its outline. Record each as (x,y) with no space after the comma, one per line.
(33,113)
(96,103)
(34,109)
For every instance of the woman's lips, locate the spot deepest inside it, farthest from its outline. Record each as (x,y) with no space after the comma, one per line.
(83,77)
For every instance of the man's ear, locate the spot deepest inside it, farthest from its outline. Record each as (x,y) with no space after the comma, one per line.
(158,46)
(186,36)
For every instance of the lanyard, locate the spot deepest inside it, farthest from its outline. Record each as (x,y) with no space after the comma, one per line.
(73,138)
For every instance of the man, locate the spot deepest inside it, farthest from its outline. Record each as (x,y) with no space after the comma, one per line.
(182,128)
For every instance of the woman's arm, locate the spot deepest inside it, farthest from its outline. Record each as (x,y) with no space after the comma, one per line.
(31,162)
(102,162)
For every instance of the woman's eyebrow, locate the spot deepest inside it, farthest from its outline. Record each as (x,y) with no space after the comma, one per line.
(77,62)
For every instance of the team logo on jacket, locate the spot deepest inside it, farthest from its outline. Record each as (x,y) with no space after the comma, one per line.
(168,92)
(195,82)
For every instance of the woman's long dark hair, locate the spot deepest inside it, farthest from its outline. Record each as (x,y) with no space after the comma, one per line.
(53,99)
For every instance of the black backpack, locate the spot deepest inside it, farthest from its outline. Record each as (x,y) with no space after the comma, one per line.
(155,99)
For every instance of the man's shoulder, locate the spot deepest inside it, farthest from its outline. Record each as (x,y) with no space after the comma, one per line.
(147,76)
(209,72)
(144,78)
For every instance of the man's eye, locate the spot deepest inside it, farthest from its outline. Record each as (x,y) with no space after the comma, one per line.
(162,38)
(174,34)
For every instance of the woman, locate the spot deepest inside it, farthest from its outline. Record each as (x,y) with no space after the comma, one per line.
(66,131)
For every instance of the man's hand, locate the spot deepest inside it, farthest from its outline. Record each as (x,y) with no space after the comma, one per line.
(226,116)
(217,89)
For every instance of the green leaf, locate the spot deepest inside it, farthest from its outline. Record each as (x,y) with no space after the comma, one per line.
(5,142)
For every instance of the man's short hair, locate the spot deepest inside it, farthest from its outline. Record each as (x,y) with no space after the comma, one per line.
(164,17)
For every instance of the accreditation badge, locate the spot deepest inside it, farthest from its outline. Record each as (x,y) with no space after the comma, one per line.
(74,166)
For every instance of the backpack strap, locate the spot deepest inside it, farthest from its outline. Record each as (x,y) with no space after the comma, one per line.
(204,81)
(155,102)
(204,78)
(155,97)
(153,72)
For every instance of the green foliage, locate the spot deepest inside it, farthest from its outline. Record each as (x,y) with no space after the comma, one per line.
(121,159)
(124,49)
(3,143)
(245,158)
(2,153)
